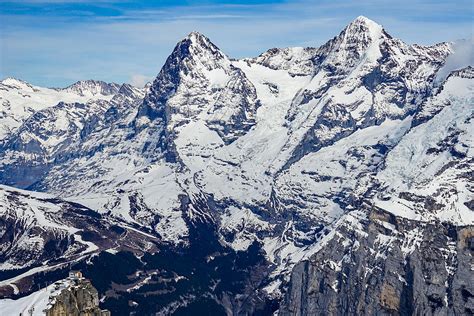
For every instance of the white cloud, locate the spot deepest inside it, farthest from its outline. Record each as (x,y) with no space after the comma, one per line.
(462,56)
(62,1)
(140,81)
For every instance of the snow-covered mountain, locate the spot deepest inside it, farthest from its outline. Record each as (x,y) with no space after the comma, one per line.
(91,88)
(277,157)
(55,133)
(19,99)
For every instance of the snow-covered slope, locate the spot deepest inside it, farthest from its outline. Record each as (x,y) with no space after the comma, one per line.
(40,233)
(56,133)
(19,99)
(70,296)
(36,303)
(275,150)
(428,175)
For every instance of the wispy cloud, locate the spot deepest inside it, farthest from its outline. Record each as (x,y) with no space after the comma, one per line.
(62,1)
(57,43)
(462,56)
(139,80)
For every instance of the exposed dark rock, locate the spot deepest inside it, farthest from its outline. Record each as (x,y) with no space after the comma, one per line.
(373,267)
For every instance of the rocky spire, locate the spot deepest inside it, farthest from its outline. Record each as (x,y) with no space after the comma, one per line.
(191,60)
(357,40)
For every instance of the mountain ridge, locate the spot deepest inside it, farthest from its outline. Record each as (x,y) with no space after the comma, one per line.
(272,155)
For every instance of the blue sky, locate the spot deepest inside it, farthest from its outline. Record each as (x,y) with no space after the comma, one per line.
(57,42)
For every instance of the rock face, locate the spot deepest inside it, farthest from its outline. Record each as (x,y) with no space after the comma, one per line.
(79,299)
(375,263)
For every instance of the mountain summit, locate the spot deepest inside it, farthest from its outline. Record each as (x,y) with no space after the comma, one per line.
(365,21)
(93,87)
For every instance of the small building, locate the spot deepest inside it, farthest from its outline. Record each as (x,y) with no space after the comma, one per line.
(75,275)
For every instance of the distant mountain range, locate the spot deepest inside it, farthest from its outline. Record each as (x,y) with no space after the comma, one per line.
(304,181)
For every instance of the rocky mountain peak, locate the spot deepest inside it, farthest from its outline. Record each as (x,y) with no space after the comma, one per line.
(10,80)
(467,72)
(129,90)
(197,47)
(361,31)
(198,38)
(195,62)
(362,20)
(16,83)
(359,42)
(93,87)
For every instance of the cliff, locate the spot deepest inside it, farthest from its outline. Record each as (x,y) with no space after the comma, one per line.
(379,264)
(80,298)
